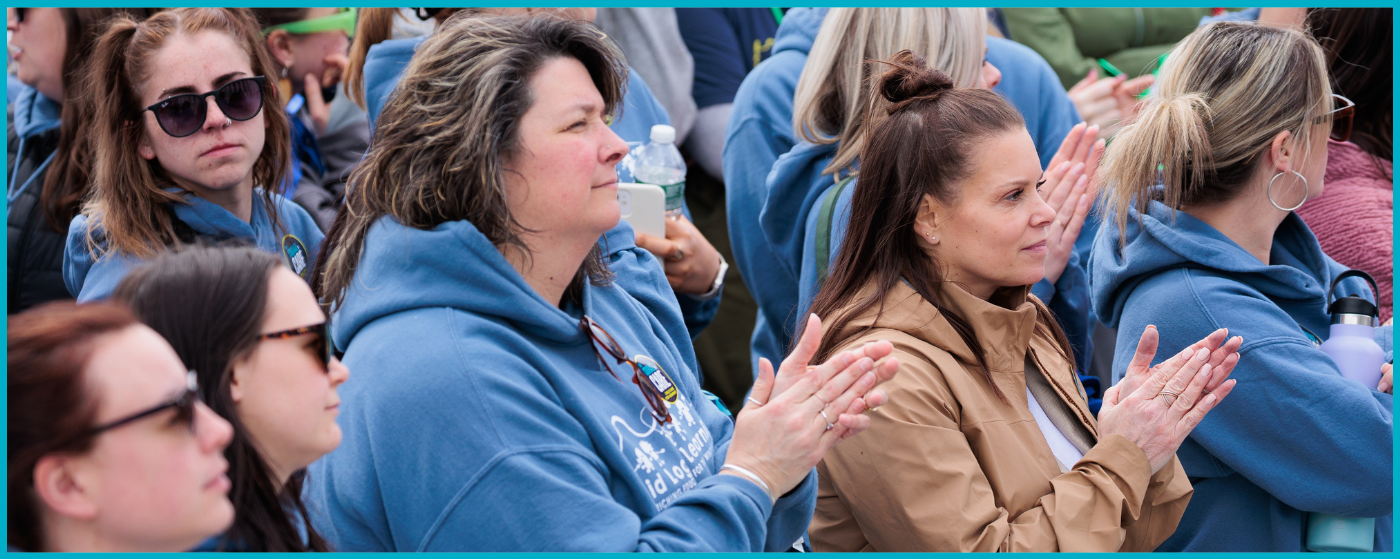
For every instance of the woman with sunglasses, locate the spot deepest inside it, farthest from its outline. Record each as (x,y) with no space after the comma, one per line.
(258,339)
(184,149)
(48,143)
(309,46)
(563,415)
(1239,121)
(109,448)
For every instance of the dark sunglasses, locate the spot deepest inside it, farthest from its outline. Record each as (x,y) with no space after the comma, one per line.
(184,410)
(602,338)
(324,349)
(184,114)
(19,14)
(1342,115)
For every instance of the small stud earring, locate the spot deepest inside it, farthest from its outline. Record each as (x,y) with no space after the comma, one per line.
(932,238)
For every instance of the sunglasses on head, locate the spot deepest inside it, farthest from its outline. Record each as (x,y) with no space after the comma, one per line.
(1342,114)
(184,114)
(183,404)
(602,338)
(323,347)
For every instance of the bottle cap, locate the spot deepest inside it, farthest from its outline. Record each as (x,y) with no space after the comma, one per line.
(663,134)
(1352,305)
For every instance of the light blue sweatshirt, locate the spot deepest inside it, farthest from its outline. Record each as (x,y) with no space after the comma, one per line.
(1294,436)
(482,419)
(91,279)
(384,66)
(790,197)
(759,131)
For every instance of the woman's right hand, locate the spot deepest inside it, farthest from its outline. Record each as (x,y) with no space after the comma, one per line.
(781,432)
(1158,415)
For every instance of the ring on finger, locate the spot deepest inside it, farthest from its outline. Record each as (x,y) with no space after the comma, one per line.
(829,424)
(1173,395)
(677,256)
(755,402)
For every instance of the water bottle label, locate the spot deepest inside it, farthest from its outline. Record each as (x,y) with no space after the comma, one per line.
(675,196)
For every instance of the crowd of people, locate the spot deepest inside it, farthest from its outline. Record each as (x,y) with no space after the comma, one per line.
(981,298)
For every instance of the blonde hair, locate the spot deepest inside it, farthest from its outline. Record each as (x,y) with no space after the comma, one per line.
(834,101)
(1224,93)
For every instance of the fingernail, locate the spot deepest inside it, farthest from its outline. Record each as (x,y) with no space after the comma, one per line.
(1064,166)
(1201,354)
(1078,167)
(866,364)
(1185,353)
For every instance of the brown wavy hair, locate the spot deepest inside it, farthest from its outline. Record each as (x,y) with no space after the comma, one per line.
(66,182)
(439,152)
(128,197)
(921,148)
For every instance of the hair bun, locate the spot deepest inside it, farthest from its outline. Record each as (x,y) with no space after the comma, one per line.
(911,79)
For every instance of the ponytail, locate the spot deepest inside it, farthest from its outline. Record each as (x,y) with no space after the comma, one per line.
(375,26)
(1169,144)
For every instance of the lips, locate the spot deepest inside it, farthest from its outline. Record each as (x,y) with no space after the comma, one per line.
(612,182)
(220,482)
(1038,247)
(219,150)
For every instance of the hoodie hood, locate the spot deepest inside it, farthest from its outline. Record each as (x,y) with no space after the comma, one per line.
(1164,239)
(384,63)
(34,113)
(799,29)
(403,268)
(795,186)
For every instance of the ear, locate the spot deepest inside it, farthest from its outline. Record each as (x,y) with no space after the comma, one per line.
(1281,153)
(279,43)
(143,145)
(61,484)
(926,222)
(238,378)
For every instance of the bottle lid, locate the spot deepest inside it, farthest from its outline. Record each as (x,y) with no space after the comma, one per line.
(1352,305)
(663,134)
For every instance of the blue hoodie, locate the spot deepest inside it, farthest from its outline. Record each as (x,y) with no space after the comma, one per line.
(795,187)
(91,280)
(384,66)
(759,131)
(1293,436)
(535,444)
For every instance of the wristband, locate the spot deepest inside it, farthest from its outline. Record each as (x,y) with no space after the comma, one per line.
(751,477)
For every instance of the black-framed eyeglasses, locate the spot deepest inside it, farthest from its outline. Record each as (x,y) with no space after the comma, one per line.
(323,347)
(184,114)
(1342,115)
(183,404)
(602,338)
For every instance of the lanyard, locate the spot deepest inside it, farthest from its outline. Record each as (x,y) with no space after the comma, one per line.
(777,15)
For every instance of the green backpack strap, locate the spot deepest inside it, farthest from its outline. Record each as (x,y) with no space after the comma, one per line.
(824,228)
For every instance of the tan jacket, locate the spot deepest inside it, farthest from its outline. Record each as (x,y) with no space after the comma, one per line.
(946,466)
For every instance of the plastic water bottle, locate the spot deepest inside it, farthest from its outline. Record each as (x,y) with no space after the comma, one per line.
(660,163)
(1351,344)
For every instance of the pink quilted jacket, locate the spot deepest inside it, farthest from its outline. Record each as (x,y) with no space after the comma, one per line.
(1354,215)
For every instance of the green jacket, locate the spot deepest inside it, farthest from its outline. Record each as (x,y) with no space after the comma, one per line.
(1073,39)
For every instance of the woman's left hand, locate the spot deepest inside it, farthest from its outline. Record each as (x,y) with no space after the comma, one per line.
(1387,383)
(1069,190)
(691,261)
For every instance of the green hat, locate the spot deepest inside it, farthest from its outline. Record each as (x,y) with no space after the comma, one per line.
(342,21)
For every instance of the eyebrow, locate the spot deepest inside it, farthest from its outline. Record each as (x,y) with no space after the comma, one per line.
(218,82)
(585,106)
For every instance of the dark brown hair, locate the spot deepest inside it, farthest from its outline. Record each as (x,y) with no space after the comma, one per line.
(66,182)
(921,148)
(128,191)
(49,407)
(210,303)
(442,142)
(1357,44)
